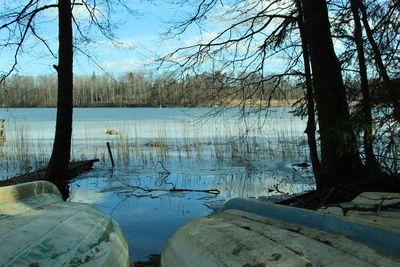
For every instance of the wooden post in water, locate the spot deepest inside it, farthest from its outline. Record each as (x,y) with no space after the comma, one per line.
(2,130)
(109,152)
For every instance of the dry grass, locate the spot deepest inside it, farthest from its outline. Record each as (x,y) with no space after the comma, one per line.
(224,145)
(260,103)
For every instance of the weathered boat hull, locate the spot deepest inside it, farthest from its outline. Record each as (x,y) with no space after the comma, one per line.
(37,228)
(255,233)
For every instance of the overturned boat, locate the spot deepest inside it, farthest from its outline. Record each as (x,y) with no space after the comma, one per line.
(363,232)
(38,228)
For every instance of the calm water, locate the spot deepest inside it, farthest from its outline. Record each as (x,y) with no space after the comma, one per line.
(241,158)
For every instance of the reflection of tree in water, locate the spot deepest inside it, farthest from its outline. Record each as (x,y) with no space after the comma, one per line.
(232,182)
(268,183)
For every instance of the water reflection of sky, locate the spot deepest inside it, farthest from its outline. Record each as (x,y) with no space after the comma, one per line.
(149,122)
(148,219)
(254,169)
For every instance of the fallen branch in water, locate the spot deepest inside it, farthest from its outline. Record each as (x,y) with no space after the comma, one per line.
(74,169)
(173,189)
(209,191)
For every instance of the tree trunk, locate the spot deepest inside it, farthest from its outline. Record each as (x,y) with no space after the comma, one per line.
(310,129)
(393,93)
(339,152)
(370,160)
(58,165)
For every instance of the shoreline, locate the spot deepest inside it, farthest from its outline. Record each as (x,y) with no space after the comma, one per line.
(273,103)
(232,104)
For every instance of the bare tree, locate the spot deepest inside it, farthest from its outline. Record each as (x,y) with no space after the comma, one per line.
(370,159)
(369,62)
(311,124)
(257,31)
(340,163)
(19,23)
(57,168)
(393,91)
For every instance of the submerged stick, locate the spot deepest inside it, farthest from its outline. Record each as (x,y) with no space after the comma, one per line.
(110,153)
(173,189)
(209,191)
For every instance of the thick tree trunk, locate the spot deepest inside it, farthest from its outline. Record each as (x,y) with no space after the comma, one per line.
(58,165)
(339,152)
(311,126)
(370,160)
(394,93)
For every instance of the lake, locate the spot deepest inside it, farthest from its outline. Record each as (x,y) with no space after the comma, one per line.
(159,149)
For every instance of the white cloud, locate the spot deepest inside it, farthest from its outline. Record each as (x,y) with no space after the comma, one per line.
(115,44)
(82,12)
(127,64)
(126,44)
(226,16)
(201,38)
(79,11)
(85,196)
(338,44)
(51,13)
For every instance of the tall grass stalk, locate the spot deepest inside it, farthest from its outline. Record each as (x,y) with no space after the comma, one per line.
(223,144)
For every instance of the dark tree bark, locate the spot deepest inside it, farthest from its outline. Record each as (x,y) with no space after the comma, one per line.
(311,126)
(339,152)
(370,160)
(58,165)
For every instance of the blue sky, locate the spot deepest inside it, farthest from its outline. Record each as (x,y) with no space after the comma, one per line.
(138,42)
(138,39)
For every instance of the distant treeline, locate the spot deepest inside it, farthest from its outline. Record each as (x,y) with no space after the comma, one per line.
(137,89)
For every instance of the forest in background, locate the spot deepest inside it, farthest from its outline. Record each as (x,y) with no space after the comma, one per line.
(142,89)
(139,89)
